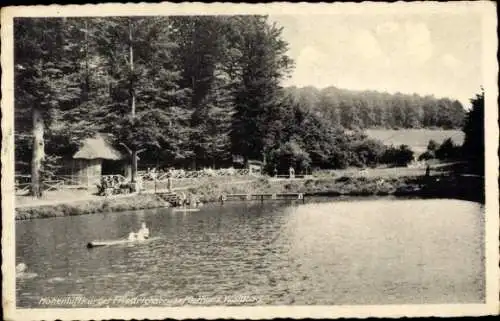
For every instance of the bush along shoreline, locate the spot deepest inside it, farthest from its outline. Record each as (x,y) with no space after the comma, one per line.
(465,188)
(458,187)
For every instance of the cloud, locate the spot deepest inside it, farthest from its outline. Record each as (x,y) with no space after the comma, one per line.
(387,28)
(310,67)
(367,45)
(393,53)
(311,56)
(418,41)
(406,44)
(451,62)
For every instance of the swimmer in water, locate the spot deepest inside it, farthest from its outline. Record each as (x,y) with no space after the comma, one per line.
(132,236)
(21,272)
(21,268)
(140,237)
(143,232)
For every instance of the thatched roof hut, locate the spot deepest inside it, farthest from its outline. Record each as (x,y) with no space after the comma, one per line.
(88,161)
(97,147)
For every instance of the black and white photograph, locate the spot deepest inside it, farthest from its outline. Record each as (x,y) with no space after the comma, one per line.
(280,158)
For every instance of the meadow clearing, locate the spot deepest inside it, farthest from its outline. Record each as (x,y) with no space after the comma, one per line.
(417,139)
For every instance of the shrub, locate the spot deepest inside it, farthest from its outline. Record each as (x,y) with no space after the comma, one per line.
(427,155)
(401,156)
(432,146)
(290,154)
(367,152)
(340,159)
(448,150)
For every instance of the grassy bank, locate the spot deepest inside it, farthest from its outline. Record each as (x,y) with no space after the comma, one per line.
(328,186)
(435,186)
(134,202)
(417,139)
(467,188)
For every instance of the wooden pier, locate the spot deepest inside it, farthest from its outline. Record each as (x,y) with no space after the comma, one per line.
(262,196)
(170,197)
(173,198)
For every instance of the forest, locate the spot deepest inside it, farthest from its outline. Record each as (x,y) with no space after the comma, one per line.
(192,91)
(371,109)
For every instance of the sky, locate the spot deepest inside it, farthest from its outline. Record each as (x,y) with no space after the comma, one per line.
(431,54)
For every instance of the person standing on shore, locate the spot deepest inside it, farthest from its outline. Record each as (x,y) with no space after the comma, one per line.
(169,180)
(183,199)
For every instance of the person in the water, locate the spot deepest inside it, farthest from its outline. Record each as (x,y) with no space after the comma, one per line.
(143,233)
(139,237)
(21,268)
(21,272)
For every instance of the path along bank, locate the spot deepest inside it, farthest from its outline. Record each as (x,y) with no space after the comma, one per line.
(453,186)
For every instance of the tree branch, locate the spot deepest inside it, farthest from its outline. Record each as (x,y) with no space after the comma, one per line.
(126,147)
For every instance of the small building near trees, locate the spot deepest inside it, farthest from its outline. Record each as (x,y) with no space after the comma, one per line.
(96,157)
(255,167)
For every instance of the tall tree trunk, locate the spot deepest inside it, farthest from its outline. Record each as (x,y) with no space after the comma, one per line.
(132,98)
(131,56)
(38,153)
(86,88)
(134,166)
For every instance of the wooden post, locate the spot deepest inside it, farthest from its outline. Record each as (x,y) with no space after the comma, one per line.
(87,170)
(262,198)
(169,183)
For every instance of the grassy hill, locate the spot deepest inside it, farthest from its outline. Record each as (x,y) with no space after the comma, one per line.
(417,139)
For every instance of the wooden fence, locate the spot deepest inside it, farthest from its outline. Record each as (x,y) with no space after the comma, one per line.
(58,182)
(181,174)
(150,180)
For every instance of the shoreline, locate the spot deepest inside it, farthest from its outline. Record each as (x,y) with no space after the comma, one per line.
(438,186)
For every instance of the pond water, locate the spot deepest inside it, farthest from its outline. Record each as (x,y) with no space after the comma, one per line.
(381,251)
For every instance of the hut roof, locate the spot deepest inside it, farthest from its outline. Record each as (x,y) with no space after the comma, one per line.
(97,147)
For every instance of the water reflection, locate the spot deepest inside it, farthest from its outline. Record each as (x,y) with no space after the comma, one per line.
(361,252)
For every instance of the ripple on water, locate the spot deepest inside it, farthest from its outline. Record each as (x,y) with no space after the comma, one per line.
(56,279)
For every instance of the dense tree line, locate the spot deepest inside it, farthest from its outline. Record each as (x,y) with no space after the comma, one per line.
(190,91)
(178,90)
(473,148)
(369,109)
